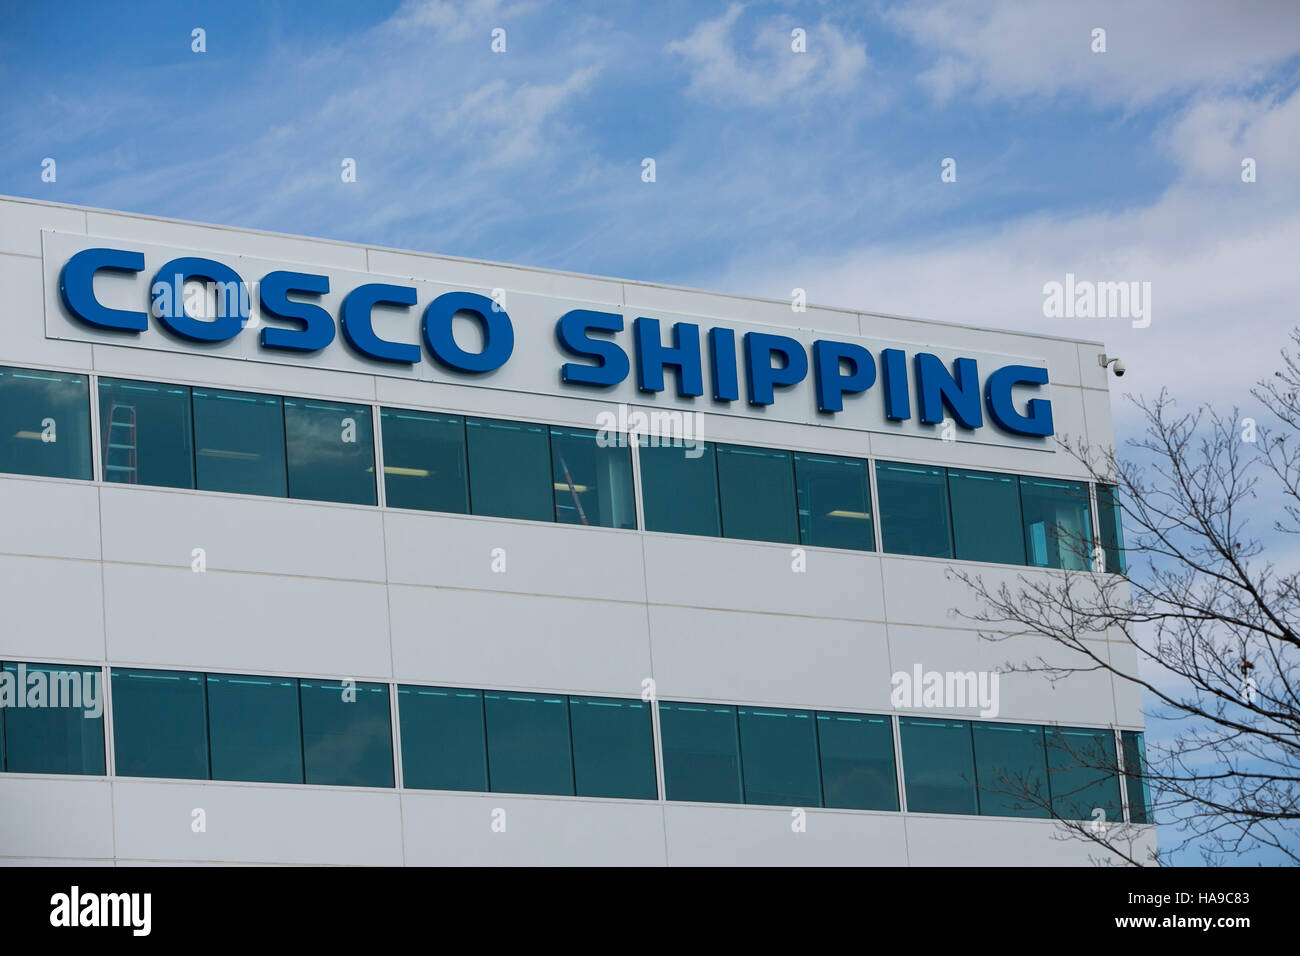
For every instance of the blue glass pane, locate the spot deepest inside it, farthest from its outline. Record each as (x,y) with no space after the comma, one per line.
(1083,773)
(510,469)
(857,760)
(444,744)
(701,747)
(1011,763)
(834,502)
(780,757)
(938,765)
(593,483)
(239,442)
(1109,516)
(756,486)
(54,718)
(331,450)
(424,461)
(1058,523)
(160,724)
(914,515)
(986,516)
(679,486)
(613,748)
(44,423)
(1135,776)
(254,728)
(146,433)
(528,743)
(347,737)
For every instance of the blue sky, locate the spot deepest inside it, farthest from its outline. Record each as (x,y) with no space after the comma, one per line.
(774,170)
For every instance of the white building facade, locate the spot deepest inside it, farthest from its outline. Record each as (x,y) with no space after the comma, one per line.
(321,553)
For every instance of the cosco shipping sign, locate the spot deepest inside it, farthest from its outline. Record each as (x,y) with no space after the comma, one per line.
(116,292)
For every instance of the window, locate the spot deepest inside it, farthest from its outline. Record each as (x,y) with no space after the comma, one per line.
(986,516)
(679,488)
(1135,776)
(254,728)
(613,748)
(44,423)
(857,761)
(834,496)
(59,727)
(347,737)
(1082,773)
(756,487)
(146,433)
(424,461)
(1058,526)
(938,765)
(1109,517)
(528,743)
(593,484)
(160,724)
(331,451)
(510,470)
(1011,764)
(914,516)
(701,750)
(239,442)
(444,746)
(780,753)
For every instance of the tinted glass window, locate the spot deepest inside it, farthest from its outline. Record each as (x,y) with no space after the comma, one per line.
(757,492)
(1082,773)
(938,765)
(239,442)
(146,433)
(679,488)
(1058,523)
(44,423)
(60,727)
(613,748)
(701,748)
(1109,516)
(160,724)
(528,743)
(1135,776)
(914,515)
(593,483)
(424,461)
(986,516)
(510,469)
(834,497)
(347,737)
(331,451)
(780,757)
(444,746)
(254,728)
(1011,763)
(857,760)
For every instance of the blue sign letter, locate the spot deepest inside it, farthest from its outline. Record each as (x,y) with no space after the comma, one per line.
(937,388)
(828,359)
(359,332)
(612,366)
(498,333)
(759,348)
(997,394)
(169,299)
(317,326)
(77,288)
(652,355)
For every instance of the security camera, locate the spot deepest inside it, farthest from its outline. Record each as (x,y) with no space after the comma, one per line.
(1103,360)
(1119,367)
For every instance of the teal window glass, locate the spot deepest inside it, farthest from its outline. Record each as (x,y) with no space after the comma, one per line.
(1011,765)
(254,728)
(1136,783)
(444,743)
(914,514)
(331,451)
(857,761)
(593,484)
(146,433)
(239,442)
(1082,773)
(780,757)
(701,748)
(756,486)
(1109,517)
(528,743)
(1058,523)
(834,496)
(424,461)
(60,726)
(44,423)
(679,488)
(986,516)
(938,765)
(510,469)
(613,748)
(160,724)
(347,737)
